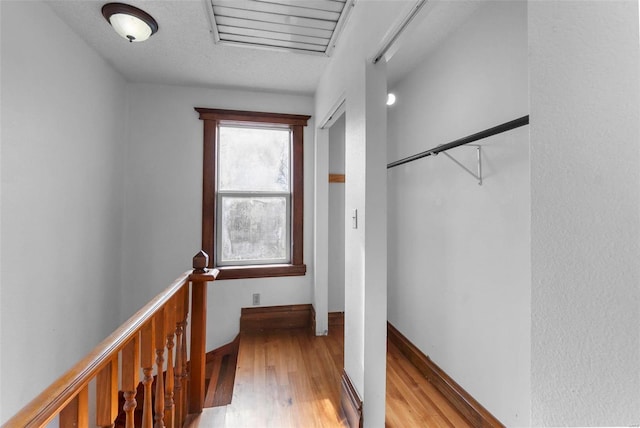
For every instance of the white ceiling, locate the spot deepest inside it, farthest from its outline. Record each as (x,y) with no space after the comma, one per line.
(183,51)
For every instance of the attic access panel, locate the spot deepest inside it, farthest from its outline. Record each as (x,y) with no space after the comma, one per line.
(306,26)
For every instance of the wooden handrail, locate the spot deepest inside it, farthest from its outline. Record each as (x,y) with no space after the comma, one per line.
(61,392)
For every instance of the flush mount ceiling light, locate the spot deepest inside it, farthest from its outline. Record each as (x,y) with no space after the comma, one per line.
(391,99)
(130,22)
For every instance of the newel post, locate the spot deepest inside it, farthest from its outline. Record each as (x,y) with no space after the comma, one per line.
(198,332)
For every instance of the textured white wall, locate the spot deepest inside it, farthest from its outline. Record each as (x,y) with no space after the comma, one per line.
(459,253)
(336,217)
(585,227)
(62,148)
(163,200)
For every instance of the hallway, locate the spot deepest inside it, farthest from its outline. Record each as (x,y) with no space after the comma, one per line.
(290,378)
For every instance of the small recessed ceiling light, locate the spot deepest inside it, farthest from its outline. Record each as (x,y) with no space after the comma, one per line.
(130,22)
(391,99)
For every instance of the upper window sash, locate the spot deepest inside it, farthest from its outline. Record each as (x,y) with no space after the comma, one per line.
(253,147)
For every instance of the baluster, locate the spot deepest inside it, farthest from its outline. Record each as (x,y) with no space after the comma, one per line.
(130,364)
(107,394)
(147,337)
(170,326)
(178,399)
(198,334)
(76,413)
(160,341)
(185,358)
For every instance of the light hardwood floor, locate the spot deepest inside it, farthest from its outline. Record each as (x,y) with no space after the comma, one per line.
(290,378)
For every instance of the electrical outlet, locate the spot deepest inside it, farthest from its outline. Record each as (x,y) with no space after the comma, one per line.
(256,299)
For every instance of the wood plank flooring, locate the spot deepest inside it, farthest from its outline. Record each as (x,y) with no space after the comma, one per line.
(290,378)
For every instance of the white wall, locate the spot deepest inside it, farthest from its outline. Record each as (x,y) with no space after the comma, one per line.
(585,227)
(459,253)
(163,201)
(336,217)
(62,147)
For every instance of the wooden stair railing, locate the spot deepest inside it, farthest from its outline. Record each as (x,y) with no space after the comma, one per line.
(158,329)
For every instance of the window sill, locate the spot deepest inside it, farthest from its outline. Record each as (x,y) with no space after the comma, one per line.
(260,271)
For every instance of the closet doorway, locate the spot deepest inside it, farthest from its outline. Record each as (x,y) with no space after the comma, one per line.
(337,215)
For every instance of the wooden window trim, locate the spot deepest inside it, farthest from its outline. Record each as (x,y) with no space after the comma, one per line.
(211,119)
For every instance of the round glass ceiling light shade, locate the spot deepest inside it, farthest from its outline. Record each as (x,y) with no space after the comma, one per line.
(131,23)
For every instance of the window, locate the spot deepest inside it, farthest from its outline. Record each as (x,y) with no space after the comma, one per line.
(252,211)
(253,195)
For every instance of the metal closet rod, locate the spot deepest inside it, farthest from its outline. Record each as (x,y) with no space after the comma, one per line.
(507,126)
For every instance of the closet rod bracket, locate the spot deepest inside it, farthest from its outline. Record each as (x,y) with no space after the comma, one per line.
(478,175)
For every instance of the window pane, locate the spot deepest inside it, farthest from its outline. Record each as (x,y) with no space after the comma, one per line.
(254,229)
(254,159)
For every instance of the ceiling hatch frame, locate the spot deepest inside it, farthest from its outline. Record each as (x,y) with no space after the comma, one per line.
(310,26)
